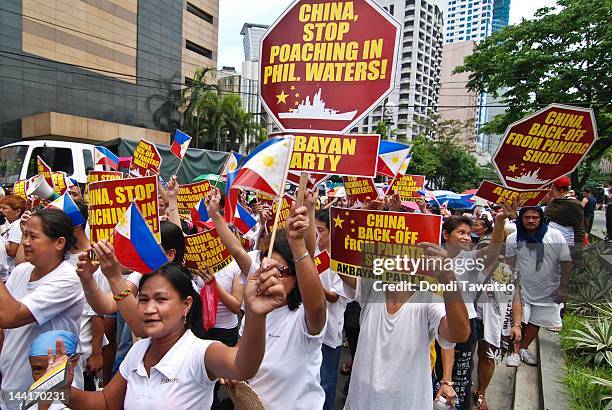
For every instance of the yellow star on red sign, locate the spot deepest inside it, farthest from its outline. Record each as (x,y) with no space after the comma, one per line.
(338,222)
(292,87)
(282,97)
(512,168)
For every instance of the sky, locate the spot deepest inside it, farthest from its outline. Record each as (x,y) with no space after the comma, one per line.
(234,13)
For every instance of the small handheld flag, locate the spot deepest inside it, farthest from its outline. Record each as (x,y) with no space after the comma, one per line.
(66,203)
(199,215)
(231,165)
(180,144)
(391,157)
(135,245)
(104,156)
(243,220)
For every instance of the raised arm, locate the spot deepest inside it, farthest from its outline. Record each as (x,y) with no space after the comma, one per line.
(172,188)
(231,300)
(491,252)
(227,237)
(308,279)
(263,293)
(455,326)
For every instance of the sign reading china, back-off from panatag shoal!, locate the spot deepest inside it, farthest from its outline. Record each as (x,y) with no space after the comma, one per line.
(325,64)
(541,148)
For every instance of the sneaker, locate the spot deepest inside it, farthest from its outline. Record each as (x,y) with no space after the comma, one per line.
(528,357)
(513,360)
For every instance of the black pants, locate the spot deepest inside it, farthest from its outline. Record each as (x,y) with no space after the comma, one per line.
(462,369)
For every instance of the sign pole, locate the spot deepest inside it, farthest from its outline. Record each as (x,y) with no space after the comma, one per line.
(279,205)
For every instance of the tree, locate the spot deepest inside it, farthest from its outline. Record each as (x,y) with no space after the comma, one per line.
(384,130)
(215,118)
(444,160)
(559,57)
(196,100)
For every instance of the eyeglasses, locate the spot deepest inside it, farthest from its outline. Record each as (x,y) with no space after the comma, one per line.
(284,271)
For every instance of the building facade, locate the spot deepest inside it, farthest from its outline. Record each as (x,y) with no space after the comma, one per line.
(117,62)
(417,81)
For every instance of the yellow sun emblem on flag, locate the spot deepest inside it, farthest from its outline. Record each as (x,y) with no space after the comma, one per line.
(269,161)
(395,159)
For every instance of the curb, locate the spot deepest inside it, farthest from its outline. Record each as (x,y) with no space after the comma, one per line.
(551,371)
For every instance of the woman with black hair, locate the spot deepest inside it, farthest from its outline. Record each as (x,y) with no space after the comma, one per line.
(103,301)
(42,294)
(174,367)
(289,373)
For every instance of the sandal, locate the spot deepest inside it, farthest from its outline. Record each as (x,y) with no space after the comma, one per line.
(480,402)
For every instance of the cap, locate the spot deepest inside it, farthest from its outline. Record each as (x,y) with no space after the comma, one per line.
(563,182)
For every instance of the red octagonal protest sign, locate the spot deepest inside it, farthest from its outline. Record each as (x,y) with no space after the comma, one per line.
(545,146)
(325,64)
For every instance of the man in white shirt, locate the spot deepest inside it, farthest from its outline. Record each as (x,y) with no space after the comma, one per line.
(542,258)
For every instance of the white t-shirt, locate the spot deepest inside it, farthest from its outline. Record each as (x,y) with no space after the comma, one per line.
(335,311)
(225,278)
(14,236)
(537,287)
(289,375)
(392,368)
(566,231)
(178,381)
(55,301)
(469,276)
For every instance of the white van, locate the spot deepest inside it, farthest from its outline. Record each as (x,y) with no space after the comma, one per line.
(18,160)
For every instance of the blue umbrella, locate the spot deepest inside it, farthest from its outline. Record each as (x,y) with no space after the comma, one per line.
(453,200)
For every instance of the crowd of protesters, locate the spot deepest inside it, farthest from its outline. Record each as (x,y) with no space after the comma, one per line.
(280,325)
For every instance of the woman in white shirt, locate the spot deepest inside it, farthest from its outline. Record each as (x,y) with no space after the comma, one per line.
(12,207)
(174,367)
(41,295)
(288,377)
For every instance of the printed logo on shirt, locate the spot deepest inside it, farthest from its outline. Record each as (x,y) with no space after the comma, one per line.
(173,380)
(271,335)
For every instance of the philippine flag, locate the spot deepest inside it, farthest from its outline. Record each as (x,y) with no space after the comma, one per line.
(66,203)
(404,168)
(104,156)
(199,215)
(243,220)
(391,156)
(231,197)
(265,169)
(135,245)
(180,144)
(231,165)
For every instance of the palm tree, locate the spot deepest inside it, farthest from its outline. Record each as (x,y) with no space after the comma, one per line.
(197,98)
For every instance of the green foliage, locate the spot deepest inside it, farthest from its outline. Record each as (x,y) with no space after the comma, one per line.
(382,129)
(559,57)
(591,285)
(442,159)
(588,387)
(594,341)
(215,119)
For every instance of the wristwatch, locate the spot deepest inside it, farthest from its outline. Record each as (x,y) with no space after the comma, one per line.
(451,384)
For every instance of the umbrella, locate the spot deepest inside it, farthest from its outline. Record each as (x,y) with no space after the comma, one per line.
(470,191)
(411,205)
(210,177)
(454,200)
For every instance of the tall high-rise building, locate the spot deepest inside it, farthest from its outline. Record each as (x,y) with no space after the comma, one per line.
(253,34)
(99,70)
(471,21)
(468,20)
(417,81)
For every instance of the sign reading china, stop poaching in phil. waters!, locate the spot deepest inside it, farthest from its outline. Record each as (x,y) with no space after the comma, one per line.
(359,237)
(539,149)
(354,155)
(407,186)
(108,201)
(146,159)
(323,66)
(501,195)
(205,250)
(359,190)
(189,195)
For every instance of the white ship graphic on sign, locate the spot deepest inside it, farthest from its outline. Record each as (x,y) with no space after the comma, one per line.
(531,178)
(316,111)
